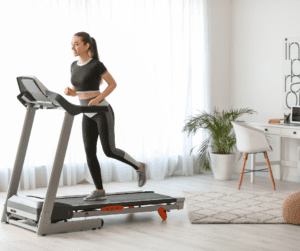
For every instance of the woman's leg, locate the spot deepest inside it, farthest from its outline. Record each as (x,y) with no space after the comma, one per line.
(106,124)
(90,137)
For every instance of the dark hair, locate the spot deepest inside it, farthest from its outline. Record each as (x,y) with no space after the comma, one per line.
(86,38)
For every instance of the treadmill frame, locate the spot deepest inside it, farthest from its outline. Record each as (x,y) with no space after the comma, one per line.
(44,225)
(78,225)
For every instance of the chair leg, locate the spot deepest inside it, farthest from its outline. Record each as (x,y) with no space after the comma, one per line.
(242,173)
(270,170)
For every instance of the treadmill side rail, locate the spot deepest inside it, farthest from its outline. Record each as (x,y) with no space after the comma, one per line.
(107,194)
(126,210)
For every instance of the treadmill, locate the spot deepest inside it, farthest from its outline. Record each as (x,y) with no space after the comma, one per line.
(51,214)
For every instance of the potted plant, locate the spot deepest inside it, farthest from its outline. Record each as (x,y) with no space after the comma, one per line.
(221,140)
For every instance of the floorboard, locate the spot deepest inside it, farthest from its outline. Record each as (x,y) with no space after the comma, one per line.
(147,231)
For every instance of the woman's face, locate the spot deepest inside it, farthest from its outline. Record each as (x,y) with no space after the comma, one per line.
(78,46)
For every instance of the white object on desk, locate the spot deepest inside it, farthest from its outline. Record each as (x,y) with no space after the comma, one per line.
(283,131)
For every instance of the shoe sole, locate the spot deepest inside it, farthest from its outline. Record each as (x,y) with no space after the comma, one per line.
(102,198)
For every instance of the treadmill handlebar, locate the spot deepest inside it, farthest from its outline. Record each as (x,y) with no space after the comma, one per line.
(72,109)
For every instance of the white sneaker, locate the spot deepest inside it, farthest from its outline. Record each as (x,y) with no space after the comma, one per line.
(142,175)
(96,195)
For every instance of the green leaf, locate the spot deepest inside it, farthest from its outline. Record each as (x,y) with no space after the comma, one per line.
(220,130)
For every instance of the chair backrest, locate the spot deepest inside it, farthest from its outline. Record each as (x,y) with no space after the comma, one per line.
(250,139)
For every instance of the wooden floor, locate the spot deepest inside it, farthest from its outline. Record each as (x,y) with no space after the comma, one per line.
(147,231)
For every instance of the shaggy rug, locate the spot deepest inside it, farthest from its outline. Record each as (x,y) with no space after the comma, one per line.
(235,207)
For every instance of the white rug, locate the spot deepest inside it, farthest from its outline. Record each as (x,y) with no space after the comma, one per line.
(235,207)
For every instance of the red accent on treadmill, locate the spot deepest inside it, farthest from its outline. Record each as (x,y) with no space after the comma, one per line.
(112,208)
(163,213)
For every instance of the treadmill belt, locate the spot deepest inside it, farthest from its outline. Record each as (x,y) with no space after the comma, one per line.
(118,200)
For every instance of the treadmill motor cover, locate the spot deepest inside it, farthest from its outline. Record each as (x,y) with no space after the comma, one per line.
(34,206)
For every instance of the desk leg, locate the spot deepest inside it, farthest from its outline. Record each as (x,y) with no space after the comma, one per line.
(281,155)
(252,167)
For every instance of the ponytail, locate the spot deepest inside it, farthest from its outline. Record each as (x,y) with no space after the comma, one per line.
(93,49)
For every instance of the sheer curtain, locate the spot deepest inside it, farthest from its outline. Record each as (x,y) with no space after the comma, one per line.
(158,53)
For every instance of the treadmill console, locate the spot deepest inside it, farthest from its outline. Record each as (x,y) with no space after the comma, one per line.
(36,95)
(34,92)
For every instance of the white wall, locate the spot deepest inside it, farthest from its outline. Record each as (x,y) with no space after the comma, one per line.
(220,12)
(247,64)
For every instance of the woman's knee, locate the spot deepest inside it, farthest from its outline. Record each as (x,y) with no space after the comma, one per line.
(109,153)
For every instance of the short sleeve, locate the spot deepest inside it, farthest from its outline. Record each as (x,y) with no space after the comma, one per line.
(101,68)
(72,67)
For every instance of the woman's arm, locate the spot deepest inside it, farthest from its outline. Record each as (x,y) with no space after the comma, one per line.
(111,86)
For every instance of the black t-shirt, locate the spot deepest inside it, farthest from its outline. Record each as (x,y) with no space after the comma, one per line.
(87,77)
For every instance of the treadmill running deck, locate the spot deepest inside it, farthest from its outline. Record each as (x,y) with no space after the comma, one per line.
(135,199)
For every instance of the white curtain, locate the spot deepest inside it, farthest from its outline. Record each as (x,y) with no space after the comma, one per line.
(158,53)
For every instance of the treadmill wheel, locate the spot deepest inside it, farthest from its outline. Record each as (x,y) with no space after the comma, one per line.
(163,213)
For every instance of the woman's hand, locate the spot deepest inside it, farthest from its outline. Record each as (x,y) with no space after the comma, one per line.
(70,92)
(94,101)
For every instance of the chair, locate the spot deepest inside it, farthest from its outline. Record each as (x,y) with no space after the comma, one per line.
(252,140)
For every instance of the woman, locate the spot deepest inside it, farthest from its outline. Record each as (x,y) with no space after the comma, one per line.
(86,76)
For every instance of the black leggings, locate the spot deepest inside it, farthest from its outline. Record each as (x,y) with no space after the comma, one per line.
(102,124)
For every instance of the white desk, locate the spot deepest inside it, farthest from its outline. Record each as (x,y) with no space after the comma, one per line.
(283,131)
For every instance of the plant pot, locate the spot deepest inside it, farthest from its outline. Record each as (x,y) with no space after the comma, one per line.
(222,165)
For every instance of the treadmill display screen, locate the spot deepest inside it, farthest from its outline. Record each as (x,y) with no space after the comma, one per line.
(35,91)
